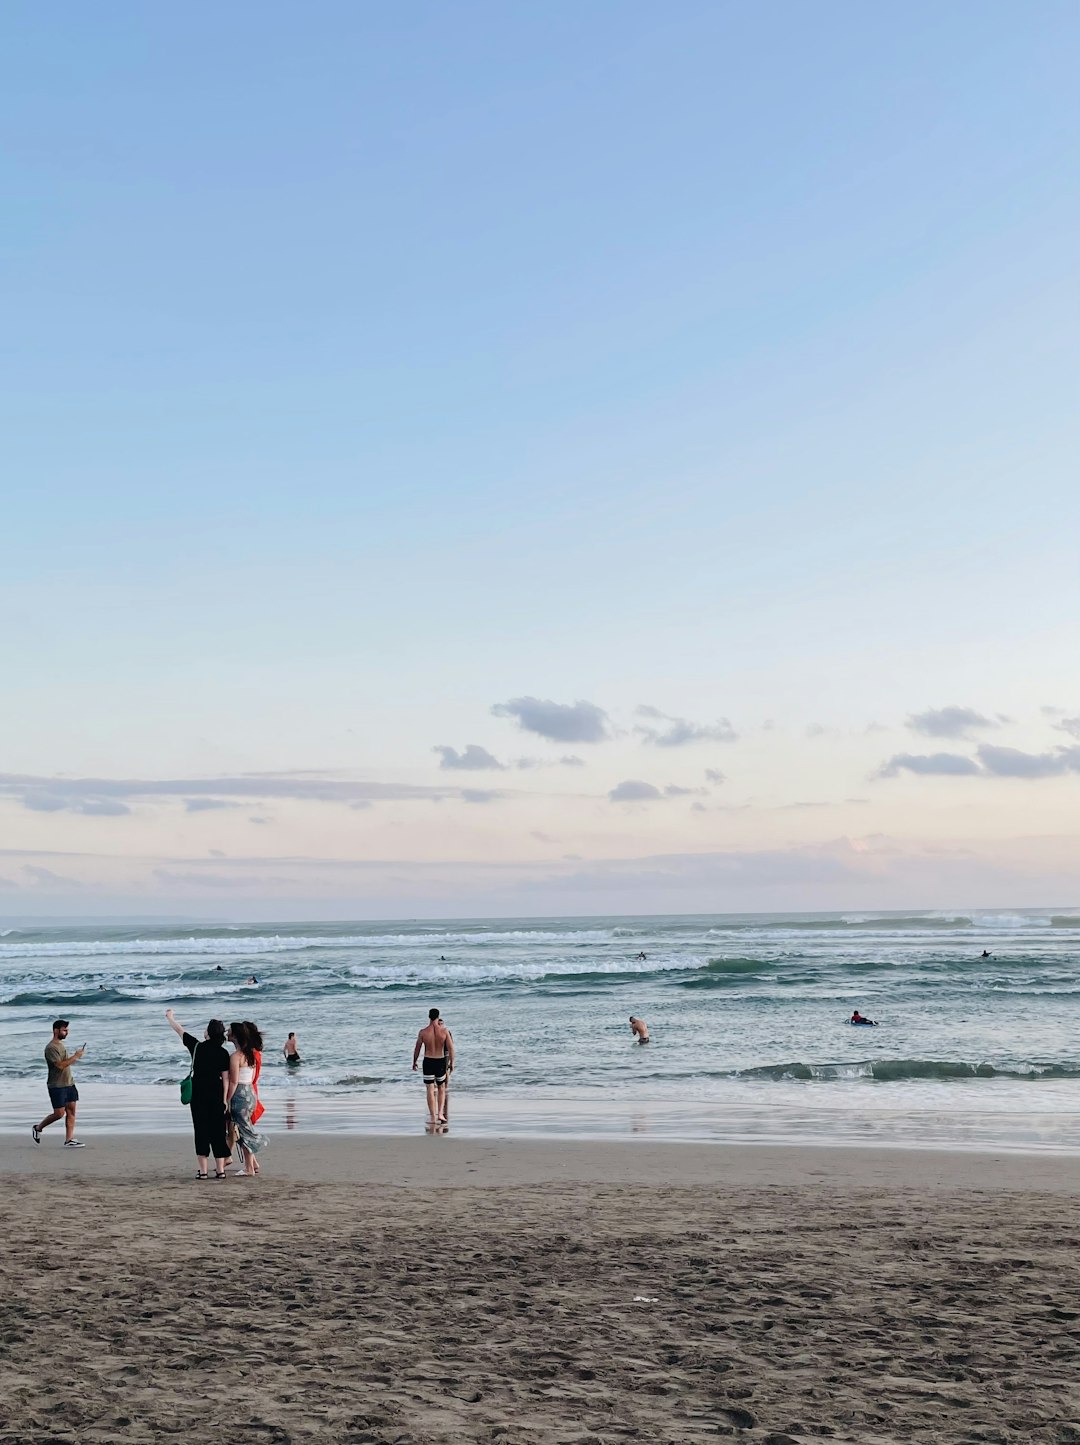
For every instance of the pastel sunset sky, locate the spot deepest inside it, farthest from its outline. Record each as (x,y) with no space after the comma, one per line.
(494,459)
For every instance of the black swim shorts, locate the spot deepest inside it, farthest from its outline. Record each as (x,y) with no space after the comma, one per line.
(435,1071)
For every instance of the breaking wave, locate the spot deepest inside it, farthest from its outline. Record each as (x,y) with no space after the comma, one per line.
(895,1070)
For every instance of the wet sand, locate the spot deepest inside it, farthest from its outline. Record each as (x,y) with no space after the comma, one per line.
(442,1290)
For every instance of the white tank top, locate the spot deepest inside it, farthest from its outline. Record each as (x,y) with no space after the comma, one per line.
(245,1075)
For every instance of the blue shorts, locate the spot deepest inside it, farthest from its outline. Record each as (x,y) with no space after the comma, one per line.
(63,1095)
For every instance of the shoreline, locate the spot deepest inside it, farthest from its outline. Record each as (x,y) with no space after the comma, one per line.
(975,1123)
(417,1160)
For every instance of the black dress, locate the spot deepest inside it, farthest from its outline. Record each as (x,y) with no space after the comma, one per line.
(208,1096)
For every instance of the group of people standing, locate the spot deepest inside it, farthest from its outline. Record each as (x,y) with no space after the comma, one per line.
(225,1105)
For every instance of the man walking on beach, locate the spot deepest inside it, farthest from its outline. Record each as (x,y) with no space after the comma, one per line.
(437,1043)
(62,1091)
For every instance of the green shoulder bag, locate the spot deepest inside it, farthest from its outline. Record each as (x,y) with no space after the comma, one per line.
(188,1084)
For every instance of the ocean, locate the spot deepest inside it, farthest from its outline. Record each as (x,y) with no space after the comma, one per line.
(748,1015)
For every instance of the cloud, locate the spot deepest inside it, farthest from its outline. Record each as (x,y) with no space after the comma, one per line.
(46,878)
(43,802)
(577,722)
(673,790)
(1012,763)
(1070,725)
(952,765)
(260,821)
(948,722)
(678,732)
(207,805)
(103,808)
(714,775)
(634,791)
(993,762)
(474,758)
(569,761)
(85,795)
(480,795)
(233,881)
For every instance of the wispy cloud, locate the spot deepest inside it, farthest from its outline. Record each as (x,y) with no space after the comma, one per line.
(953,765)
(481,795)
(559,722)
(1070,725)
(472,758)
(107,796)
(665,731)
(42,800)
(46,878)
(949,722)
(207,805)
(714,775)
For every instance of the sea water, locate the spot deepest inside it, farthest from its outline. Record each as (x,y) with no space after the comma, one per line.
(748,1016)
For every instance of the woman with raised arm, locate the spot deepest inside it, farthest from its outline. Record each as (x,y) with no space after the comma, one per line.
(243,1101)
(209,1090)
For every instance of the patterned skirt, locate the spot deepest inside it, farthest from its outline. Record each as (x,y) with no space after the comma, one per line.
(243,1101)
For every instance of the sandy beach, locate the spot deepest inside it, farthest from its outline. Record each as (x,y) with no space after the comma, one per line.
(442,1290)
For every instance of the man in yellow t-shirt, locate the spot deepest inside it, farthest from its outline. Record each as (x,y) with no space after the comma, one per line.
(62,1091)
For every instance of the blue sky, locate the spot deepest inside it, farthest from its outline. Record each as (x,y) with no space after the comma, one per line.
(369,367)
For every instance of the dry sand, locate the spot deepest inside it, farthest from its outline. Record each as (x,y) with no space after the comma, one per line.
(438,1290)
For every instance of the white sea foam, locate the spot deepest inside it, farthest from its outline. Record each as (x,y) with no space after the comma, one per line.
(284,943)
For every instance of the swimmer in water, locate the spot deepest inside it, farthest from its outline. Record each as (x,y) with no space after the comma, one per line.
(252,979)
(640,1029)
(641,957)
(986,954)
(858,1018)
(291,1051)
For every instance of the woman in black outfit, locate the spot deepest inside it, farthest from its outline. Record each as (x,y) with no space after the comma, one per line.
(209,1085)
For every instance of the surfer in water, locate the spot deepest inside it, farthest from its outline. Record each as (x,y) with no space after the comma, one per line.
(641,957)
(858,1018)
(986,954)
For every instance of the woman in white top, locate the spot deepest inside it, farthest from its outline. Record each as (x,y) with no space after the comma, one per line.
(242,1099)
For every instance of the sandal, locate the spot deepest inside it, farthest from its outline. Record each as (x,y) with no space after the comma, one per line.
(219,1174)
(200,1175)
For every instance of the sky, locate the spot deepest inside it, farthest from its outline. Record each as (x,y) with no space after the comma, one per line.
(491,460)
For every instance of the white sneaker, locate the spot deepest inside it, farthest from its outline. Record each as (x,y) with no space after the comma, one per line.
(73,1144)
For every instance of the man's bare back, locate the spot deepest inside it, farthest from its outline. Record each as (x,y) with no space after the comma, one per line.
(434,1039)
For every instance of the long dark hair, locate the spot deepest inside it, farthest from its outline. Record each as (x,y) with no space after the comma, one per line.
(238,1034)
(253,1039)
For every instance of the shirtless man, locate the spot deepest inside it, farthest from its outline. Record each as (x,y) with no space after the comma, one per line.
(437,1043)
(640,1029)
